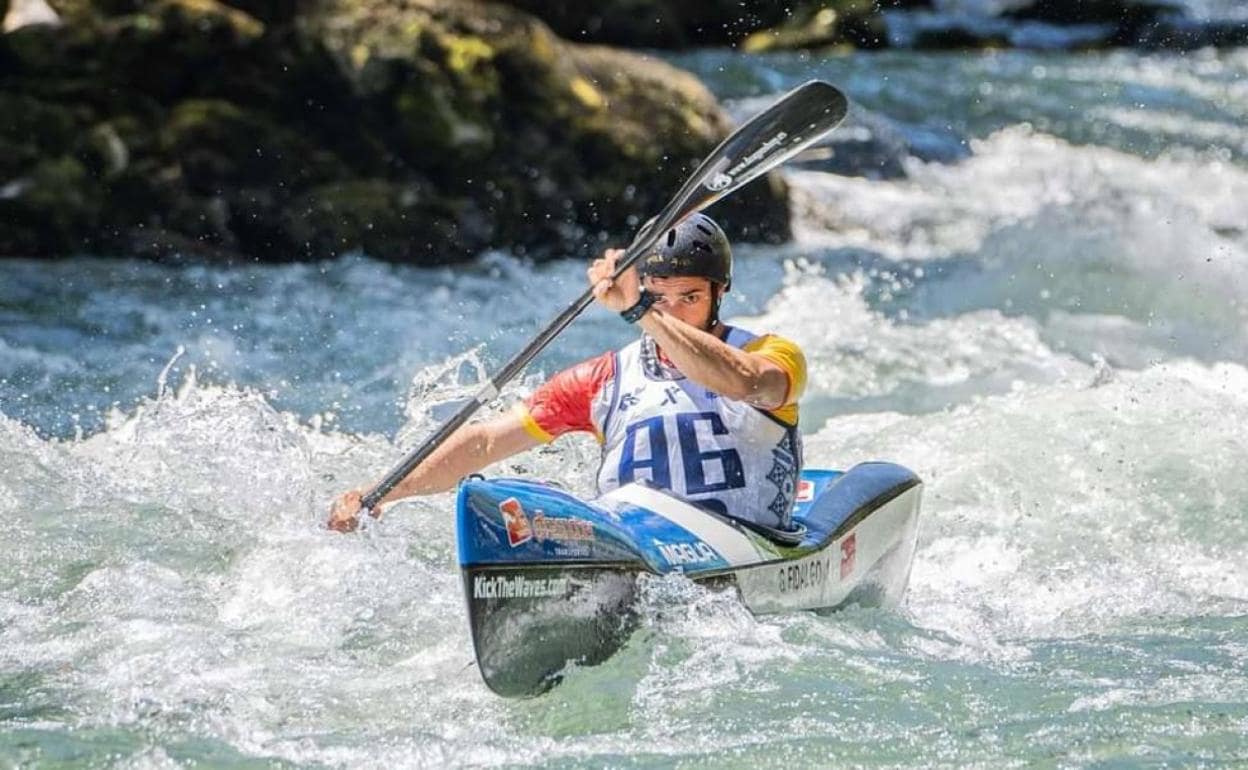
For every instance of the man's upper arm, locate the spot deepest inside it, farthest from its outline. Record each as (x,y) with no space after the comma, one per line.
(563,403)
(508,435)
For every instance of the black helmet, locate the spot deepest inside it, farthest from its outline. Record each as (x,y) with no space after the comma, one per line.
(695,247)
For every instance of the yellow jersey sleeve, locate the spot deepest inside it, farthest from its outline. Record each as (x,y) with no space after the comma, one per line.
(531,427)
(788,356)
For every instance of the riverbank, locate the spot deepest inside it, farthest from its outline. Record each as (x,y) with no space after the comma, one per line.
(430,131)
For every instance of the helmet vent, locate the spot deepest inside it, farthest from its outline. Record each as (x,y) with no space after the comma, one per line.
(696,247)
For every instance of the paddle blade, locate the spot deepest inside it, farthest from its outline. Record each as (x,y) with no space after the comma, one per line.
(801,118)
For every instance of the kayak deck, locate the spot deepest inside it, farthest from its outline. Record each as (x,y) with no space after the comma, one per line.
(550,578)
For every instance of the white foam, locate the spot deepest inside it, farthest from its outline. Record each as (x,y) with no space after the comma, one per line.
(1069,508)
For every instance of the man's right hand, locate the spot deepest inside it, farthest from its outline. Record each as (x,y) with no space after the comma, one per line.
(615,294)
(345,515)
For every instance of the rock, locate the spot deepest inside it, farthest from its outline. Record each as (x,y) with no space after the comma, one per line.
(106,151)
(26,13)
(53,207)
(1129,19)
(1177,34)
(564,147)
(630,86)
(853,23)
(219,145)
(655,23)
(683,24)
(424,131)
(1132,12)
(376,216)
(958,37)
(271,12)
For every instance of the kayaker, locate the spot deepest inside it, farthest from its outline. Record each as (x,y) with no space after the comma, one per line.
(695,406)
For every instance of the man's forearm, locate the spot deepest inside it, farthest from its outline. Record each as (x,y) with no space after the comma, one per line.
(713,363)
(468,450)
(462,454)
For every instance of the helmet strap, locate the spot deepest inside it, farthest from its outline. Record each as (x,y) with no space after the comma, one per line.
(717,291)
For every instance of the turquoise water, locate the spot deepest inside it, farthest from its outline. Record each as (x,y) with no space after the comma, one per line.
(1051,331)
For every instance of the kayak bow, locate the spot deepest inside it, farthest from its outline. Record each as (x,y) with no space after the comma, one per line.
(550,578)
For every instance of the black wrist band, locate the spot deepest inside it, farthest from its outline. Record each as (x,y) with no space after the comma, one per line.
(637,311)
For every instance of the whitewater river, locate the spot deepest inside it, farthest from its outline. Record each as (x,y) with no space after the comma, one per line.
(1051,329)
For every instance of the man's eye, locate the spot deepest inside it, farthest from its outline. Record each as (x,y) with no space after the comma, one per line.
(691,299)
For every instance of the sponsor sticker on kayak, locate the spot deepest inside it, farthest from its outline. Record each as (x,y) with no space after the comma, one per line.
(549,528)
(521,528)
(849,546)
(518,587)
(808,574)
(516,520)
(681,554)
(805,491)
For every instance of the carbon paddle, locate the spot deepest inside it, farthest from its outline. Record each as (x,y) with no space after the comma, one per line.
(765,141)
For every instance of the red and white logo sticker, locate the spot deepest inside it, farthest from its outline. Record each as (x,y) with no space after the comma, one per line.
(849,546)
(517,522)
(554,528)
(805,491)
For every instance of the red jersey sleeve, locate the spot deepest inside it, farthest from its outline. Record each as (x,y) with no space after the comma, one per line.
(562,404)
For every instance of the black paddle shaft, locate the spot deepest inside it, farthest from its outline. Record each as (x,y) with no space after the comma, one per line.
(798,120)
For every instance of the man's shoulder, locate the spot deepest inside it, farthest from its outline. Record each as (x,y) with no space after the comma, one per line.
(785,354)
(595,369)
(754,342)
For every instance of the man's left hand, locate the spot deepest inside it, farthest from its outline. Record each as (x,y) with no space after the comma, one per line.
(345,515)
(618,295)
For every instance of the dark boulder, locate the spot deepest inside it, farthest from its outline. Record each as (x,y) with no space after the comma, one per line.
(1127,20)
(422,131)
(849,23)
(655,23)
(689,23)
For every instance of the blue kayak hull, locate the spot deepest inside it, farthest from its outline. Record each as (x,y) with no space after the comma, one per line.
(550,578)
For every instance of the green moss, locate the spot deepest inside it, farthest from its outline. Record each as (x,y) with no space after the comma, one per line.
(426,118)
(53,210)
(855,23)
(423,130)
(465,53)
(194,116)
(209,17)
(45,128)
(380,218)
(218,144)
(104,152)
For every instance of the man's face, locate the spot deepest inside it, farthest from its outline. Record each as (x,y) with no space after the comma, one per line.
(692,300)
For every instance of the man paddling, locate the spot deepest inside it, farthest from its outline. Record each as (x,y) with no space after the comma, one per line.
(695,406)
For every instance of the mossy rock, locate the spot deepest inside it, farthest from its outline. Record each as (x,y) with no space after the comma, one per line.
(577,142)
(659,23)
(271,12)
(1094,11)
(634,23)
(221,145)
(45,128)
(958,38)
(385,219)
(1132,20)
(53,210)
(850,23)
(426,130)
(686,23)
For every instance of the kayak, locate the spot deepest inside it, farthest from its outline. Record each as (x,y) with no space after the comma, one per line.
(552,579)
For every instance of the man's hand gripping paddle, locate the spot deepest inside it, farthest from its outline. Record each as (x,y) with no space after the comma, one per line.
(768,139)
